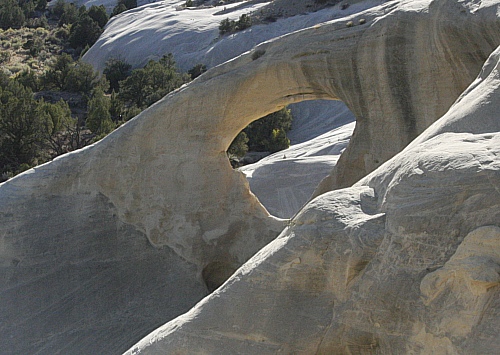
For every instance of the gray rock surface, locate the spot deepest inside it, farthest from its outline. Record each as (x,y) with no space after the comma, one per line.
(407,261)
(100,246)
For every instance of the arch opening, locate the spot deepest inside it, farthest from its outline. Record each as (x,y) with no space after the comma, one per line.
(285,180)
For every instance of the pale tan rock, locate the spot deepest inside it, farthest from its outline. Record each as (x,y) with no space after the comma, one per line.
(78,273)
(406,261)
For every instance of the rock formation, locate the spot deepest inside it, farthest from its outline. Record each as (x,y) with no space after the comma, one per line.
(407,261)
(349,272)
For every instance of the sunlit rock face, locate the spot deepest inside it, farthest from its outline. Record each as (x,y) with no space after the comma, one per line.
(101,246)
(406,261)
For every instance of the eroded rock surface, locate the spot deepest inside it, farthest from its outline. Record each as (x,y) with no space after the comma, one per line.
(155,208)
(406,261)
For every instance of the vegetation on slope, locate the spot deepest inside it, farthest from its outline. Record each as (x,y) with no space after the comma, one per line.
(53,103)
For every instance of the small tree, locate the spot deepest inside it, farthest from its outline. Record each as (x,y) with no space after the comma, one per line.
(118,9)
(57,123)
(20,128)
(41,5)
(226,26)
(149,84)
(11,15)
(116,108)
(83,79)
(116,70)
(197,70)
(269,132)
(278,141)
(84,32)
(69,13)
(124,5)
(57,75)
(244,22)
(29,79)
(98,118)
(135,88)
(99,15)
(229,26)
(58,9)
(239,147)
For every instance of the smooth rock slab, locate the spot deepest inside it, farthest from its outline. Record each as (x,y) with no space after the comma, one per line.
(156,206)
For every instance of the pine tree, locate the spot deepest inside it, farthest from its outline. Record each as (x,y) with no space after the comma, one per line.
(98,118)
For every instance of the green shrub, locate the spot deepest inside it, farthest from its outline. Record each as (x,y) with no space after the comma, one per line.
(20,128)
(81,78)
(28,79)
(99,15)
(16,68)
(4,57)
(267,134)
(11,15)
(118,9)
(239,146)
(63,32)
(124,5)
(41,5)
(98,118)
(116,70)
(57,75)
(149,84)
(226,26)
(84,32)
(244,22)
(229,26)
(69,14)
(41,31)
(197,70)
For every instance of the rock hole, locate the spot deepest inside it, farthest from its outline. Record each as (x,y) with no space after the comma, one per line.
(216,273)
(285,180)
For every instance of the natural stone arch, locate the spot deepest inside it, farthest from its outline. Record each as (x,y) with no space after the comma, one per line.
(166,171)
(165,174)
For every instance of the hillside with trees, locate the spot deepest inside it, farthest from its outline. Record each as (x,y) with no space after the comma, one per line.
(54,103)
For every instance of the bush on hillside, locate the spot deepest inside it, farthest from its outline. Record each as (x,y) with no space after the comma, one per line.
(82,78)
(56,76)
(67,13)
(98,117)
(31,131)
(197,70)
(149,84)
(11,15)
(116,70)
(230,26)
(20,127)
(123,5)
(29,79)
(99,15)
(244,22)
(268,134)
(85,31)
(57,126)
(68,75)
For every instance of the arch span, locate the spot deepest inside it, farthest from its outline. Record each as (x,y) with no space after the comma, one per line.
(165,174)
